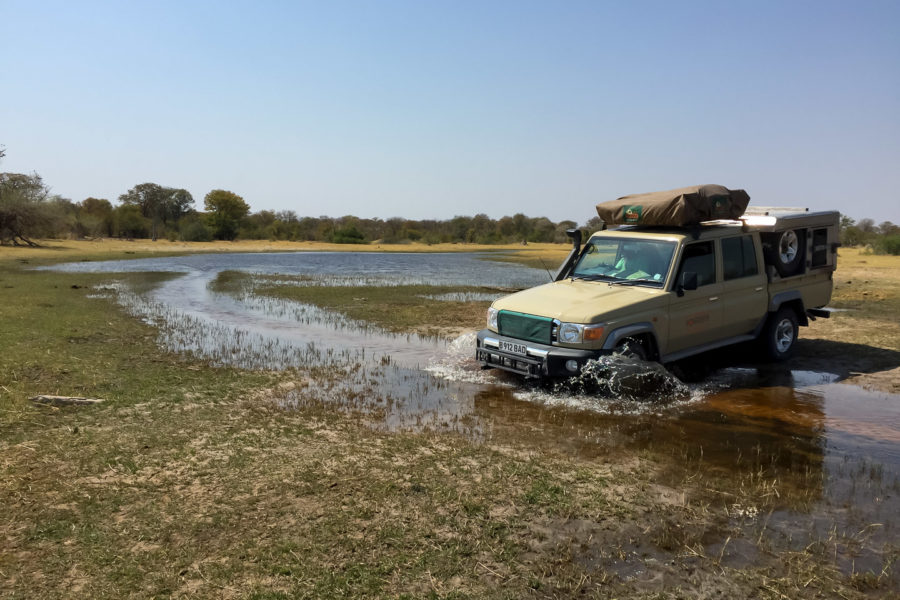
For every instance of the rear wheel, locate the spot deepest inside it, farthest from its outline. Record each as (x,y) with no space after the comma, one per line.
(780,334)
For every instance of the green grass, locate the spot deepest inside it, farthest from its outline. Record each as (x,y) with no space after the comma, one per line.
(400,309)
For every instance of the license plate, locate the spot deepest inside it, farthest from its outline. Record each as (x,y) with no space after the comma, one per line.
(512,347)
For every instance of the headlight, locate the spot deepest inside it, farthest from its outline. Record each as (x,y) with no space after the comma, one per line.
(492,318)
(575,333)
(570,333)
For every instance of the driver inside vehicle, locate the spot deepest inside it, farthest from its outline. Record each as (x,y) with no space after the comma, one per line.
(633,264)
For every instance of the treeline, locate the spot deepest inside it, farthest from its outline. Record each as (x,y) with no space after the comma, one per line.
(29,211)
(881,239)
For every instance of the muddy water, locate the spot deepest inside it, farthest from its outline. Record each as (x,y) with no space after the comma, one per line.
(822,458)
(786,457)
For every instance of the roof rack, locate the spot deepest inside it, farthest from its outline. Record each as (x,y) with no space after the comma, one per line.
(764,218)
(773,210)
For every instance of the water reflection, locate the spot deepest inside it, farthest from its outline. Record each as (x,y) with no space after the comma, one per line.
(798,466)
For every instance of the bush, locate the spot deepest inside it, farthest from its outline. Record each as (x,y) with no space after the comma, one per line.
(348,235)
(889,244)
(195,231)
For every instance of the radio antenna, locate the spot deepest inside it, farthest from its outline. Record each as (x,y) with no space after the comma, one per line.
(549,274)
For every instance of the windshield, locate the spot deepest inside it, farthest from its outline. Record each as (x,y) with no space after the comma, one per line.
(643,262)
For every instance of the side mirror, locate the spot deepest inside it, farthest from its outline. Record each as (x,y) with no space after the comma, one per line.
(688,282)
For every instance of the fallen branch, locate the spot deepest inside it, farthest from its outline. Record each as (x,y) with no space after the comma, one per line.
(65,400)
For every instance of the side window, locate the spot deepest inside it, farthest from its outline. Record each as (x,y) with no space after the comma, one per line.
(820,248)
(699,258)
(739,257)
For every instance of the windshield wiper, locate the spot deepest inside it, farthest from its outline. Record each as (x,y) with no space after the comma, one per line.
(594,277)
(634,281)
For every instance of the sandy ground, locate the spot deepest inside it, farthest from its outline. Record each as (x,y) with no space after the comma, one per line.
(62,248)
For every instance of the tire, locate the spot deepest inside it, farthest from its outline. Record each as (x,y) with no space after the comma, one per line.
(779,336)
(631,348)
(786,251)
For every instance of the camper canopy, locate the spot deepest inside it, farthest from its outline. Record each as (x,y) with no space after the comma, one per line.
(676,208)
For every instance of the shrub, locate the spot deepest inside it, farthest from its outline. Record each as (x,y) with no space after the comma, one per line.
(348,235)
(195,231)
(889,244)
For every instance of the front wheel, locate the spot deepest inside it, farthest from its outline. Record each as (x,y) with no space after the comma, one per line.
(631,348)
(780,334)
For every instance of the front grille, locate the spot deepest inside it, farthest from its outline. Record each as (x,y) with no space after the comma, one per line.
(525,327)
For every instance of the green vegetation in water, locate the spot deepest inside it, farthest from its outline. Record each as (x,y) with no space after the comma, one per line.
(418,309)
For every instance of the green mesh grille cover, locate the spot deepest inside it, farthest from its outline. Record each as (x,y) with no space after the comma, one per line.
(525,327)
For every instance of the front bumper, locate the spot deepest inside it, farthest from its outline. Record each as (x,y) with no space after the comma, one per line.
(538,361)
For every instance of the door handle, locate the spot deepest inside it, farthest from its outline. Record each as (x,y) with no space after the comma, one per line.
(713,298)
(759,289)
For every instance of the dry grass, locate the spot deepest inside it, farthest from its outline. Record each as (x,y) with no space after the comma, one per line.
(861,341)
(63,250)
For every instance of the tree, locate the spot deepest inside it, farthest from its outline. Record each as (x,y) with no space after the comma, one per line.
(226,209)
(61,218)
(193,228)
(888,228)
(95,217)
(129,222)
(162,205)
(23,207)
(866,225)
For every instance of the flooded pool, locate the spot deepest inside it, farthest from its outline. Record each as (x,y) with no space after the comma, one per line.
(819,459)
(258,332)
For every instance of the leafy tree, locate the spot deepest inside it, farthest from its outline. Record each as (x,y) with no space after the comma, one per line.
(888,228)
(286,225)
(129,222)
(95,217)
(162,205)
(846,222)
(866,225)
(178,202)
(61,219)
(348,235)
(193,228)
(226,209)
(258,226)
(850,234)
(23,207)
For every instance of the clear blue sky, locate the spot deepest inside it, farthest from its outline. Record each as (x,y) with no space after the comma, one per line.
(428,109)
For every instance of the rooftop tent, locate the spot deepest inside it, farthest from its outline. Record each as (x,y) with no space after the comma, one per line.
(676,208)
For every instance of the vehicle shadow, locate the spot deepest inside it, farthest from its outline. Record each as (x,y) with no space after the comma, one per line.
(842,359)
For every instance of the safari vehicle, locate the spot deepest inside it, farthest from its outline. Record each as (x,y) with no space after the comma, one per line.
(685,272)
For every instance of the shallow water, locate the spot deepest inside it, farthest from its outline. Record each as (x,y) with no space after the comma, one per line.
(822,457)
(254,332)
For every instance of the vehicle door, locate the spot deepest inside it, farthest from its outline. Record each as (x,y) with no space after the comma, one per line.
(695,317)
(743,297)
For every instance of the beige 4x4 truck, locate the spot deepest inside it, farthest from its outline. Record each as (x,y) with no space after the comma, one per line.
(664,293)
